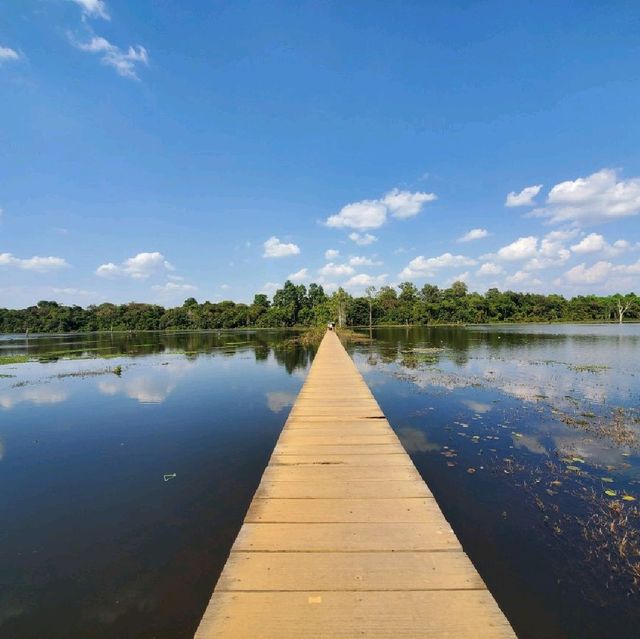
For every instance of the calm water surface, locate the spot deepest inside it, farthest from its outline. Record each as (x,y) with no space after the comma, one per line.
(518,430)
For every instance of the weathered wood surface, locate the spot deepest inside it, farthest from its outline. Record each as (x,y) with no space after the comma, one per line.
(343,538)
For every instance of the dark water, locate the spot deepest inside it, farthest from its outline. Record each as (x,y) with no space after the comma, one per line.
(519,431)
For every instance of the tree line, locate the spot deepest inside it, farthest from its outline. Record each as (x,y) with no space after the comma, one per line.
(298,305)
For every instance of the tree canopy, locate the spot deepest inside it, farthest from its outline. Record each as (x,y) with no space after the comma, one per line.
(297,305)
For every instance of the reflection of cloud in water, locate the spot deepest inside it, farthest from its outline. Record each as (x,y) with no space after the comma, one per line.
(147,390)
(477,407)
(530,443)
(415,440)
(277,401)
(33,394)
(569,444)
(148,387)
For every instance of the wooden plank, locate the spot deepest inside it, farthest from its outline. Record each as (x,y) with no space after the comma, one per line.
(312,450)
(334,439)
(342,489)
(319,473)
(349,571)
(343,538)
(386,461)
(339,537)
(359,510)
(459,614)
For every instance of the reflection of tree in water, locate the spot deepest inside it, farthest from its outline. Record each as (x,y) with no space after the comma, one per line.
(292,358)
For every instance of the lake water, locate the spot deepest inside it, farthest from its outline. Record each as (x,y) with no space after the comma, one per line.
(120,495)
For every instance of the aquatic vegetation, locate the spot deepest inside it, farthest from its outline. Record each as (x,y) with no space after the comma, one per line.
(14,359)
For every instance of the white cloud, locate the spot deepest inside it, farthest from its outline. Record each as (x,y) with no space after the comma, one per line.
(93,8)
(583,274)
(421,266)
(336,270)
(331,254)
(72,291)
(523,278)
(595,243)
(562,235)
(7,54)
(273,247)
(490,268)
(473,234)
(174,287)
(523,248)
(404,204)
(225,287)
(124,62)
(299,276)
(270,287)
(368,214)
(460,277)
(372,214)
(598,198)
(524,198)
(363,279)
(549,252)
(35,263)
(360,260)
(603,273)
(327,285)
(139,267)
(363,239)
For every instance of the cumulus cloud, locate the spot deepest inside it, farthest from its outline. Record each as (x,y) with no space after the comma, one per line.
(598,198)
(299,276)
(174,287)
(7,54)
(583,274)
(523,278)
(372,214)
(523,248)
(359,260)
(490,268)
(595,243)
(604,273)
(524,198)
(363,279)
(422,266)
(336,270)
(270,288)
(405,204)
(273,247)
(139,267)
(124,62)
(35,263)
(473,234)
(538,254)
(93,8)
(331,254)
(363,239)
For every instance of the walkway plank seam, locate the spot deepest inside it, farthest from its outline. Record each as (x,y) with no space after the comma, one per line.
(343,538)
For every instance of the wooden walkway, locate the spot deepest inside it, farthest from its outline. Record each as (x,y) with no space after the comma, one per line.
(343,538)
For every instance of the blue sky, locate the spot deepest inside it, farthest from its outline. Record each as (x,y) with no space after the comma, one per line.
(154,150)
